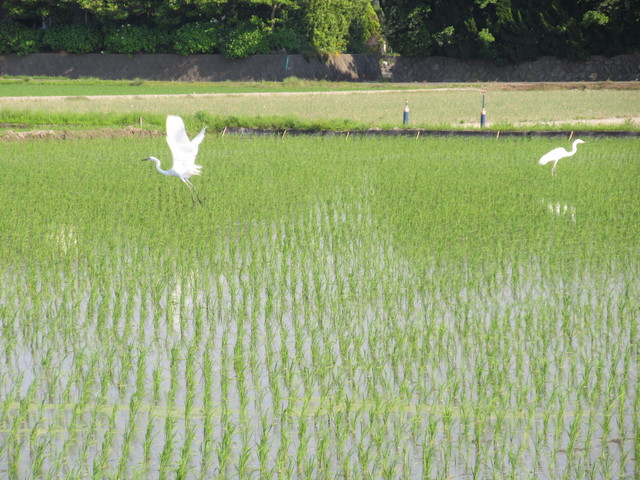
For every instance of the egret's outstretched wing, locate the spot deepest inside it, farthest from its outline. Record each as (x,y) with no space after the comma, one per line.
(183,150)
(197,140)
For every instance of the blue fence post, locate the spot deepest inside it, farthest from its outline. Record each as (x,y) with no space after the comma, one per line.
(483,112)
(405,118)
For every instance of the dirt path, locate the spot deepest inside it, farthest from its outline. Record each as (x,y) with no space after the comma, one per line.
(426,87)
(584,121)
(10,135)
(242,94)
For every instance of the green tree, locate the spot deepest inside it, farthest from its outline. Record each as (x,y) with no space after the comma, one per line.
(434,27)
(277,9)
(611,27)
(329,24)
(503,30)
(512,30)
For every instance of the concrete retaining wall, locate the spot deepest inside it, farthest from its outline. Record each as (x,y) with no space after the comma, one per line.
(340,67)
(192,68)
(545,69)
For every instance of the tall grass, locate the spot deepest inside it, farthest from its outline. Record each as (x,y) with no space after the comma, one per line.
(366,308)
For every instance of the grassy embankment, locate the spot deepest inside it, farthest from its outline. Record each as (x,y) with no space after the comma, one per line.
(90,103)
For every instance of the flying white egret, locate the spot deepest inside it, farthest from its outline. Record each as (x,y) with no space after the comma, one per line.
(558,153)
(184,153)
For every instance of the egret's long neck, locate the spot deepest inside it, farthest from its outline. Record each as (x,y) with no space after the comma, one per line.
(157,162)
(574,148)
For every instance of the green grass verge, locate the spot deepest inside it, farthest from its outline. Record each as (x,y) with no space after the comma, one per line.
(60,86)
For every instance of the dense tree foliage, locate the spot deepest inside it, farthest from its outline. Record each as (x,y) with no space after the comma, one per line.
(503,30)
(512,30)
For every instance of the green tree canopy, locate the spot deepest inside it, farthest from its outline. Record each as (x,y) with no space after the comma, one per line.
(512,30)
(503,30)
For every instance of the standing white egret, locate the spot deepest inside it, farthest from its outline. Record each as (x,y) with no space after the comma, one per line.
(558,153)
(184,153)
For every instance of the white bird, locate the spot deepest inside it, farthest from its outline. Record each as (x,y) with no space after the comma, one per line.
(558,153)
(184,153)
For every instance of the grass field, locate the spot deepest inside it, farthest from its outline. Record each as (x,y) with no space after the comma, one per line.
(337,308)
(342,106)
(56,86)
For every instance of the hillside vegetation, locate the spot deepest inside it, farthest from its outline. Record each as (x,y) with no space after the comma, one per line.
(500,30)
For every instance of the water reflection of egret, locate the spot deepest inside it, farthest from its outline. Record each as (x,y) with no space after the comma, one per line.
(175,306)
(180,301)
(65,238)
(562,209)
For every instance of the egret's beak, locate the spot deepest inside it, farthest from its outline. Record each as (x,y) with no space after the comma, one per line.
(144,159)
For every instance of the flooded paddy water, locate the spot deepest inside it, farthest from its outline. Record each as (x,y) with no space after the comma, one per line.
(385,324)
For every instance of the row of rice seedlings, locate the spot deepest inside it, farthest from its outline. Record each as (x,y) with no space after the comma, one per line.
(322,340)
(341,355)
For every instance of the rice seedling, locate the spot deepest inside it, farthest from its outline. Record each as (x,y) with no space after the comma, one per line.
(368,308)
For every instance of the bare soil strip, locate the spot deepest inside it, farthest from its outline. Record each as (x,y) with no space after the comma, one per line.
(418,132)
(11,135)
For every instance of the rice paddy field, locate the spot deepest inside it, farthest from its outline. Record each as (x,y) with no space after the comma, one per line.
(337,308)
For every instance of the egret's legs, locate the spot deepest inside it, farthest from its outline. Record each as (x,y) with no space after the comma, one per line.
(193,190)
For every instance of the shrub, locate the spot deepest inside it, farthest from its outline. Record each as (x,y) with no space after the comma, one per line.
(199,37)
(135,39)
(244,41)
(73,38)
(15,38)
(365,28)
(284,40)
